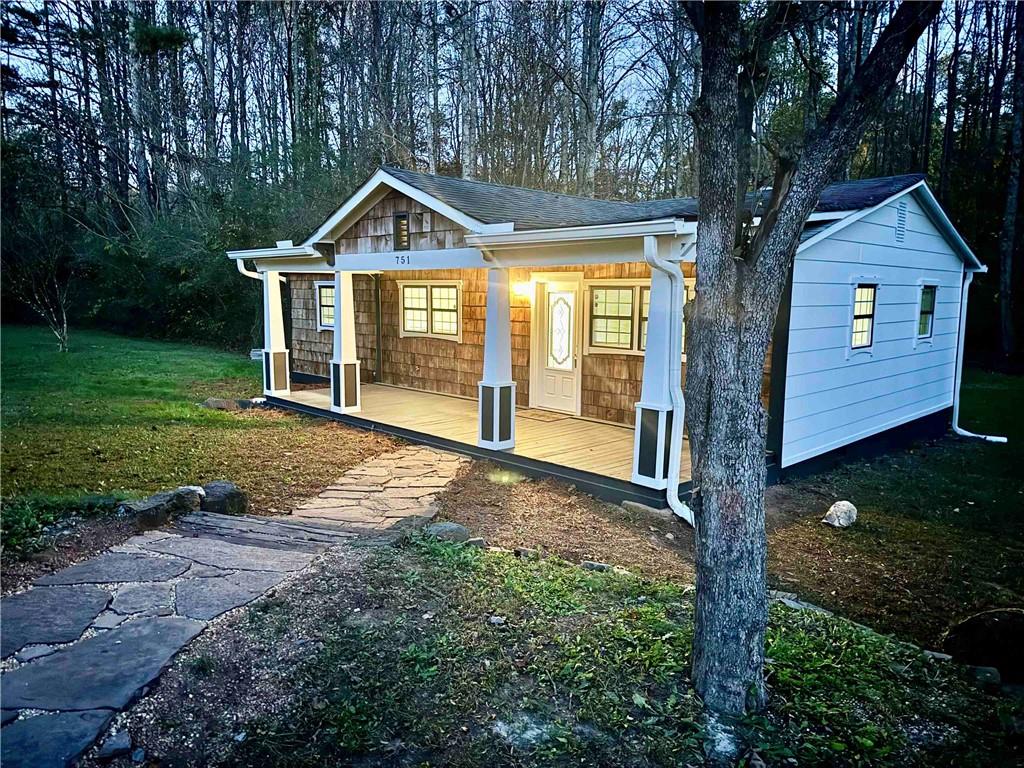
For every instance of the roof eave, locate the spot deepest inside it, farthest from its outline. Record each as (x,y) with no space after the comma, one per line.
(560,235)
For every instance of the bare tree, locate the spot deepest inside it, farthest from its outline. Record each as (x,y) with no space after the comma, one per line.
(1008,238)
(741,273)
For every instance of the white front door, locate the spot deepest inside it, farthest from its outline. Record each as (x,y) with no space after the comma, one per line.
(555,359)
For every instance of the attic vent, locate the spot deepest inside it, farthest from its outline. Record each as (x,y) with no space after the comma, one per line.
(901,222)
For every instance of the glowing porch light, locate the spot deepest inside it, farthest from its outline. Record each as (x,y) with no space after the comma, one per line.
(524,290)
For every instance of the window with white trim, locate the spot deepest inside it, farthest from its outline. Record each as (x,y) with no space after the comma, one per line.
(324,305)
(431,309)
(926,312)
(617,316)
(863,329)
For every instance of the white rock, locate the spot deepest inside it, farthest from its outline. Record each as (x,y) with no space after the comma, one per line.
(842,514)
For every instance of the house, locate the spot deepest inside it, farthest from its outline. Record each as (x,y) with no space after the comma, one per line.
(544,331)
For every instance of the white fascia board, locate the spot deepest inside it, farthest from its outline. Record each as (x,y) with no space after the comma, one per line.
(394,261)
(830,215)
(366,192)
(924,195)
(274,253)
(562,235)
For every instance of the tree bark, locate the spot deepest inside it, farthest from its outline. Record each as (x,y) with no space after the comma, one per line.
(729,329)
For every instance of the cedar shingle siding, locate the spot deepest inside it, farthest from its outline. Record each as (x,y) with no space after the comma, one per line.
(610,382)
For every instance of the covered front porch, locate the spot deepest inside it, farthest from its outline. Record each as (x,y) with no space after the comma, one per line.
(543,436)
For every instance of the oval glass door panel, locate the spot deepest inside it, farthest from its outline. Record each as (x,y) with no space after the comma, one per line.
(560,327)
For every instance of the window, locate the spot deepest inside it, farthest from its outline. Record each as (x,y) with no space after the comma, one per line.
(324,306)
(431,309)
(863,316)
(401,232)
(611,317)
(616,310)
(926,315)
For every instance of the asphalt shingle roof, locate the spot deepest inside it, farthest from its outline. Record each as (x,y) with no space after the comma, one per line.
(537,209)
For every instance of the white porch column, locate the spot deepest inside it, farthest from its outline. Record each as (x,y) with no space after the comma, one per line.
(654,411)
(276,365)
(497,393)
(344,362)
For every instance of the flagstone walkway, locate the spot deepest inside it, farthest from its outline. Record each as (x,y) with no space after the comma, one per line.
(86,642)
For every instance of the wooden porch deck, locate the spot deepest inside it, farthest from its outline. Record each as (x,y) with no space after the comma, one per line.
(589,446)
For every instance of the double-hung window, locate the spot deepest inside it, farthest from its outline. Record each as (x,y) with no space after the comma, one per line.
(863,328)
(926,312)
(324,292)
(618,316)
(431,309)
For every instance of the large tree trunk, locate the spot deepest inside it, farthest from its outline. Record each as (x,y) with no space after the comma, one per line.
(729,328)
(1008,236)
(588,113)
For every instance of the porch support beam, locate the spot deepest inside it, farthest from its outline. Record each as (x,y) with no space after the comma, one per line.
(276,363)
(497,390)
(345,395)
(654,412)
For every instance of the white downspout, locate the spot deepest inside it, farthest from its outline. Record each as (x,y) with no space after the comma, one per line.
(675,275)
(960,368)
(240,263)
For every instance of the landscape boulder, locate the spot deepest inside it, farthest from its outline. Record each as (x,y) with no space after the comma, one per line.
(161,508)
(990,639)
(447,531)
(224,498)
(842,514)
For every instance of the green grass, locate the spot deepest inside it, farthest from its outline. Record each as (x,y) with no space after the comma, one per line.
(119,417)
(593,669)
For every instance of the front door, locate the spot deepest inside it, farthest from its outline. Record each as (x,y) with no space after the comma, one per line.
(555,348)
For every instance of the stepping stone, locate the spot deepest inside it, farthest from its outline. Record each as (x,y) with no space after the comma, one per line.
(30,652)
(223,554)
(51,741)
(106,671)
(143,597)
(207,598)
(108,620)
(114,567)
(48,615)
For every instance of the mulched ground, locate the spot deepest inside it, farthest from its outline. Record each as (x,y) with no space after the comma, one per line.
(511,511)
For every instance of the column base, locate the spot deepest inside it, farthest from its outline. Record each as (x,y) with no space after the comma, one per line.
(651,442)
(345,394)
(497,424)
(276,372)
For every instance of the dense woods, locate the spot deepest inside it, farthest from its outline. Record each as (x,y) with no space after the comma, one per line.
(141,140)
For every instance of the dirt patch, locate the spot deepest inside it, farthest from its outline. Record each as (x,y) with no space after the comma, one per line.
(80,540)
(509,510)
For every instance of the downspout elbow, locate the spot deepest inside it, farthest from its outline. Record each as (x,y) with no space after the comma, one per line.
(675,276)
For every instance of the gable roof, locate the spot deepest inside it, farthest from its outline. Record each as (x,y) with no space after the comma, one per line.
(537,209)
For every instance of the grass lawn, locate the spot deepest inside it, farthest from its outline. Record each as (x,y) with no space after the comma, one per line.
(940,533)
(120,417)
(433,654)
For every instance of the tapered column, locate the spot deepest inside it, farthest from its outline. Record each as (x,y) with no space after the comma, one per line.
(276,364)
(344,362)
(654,411)
(497,428)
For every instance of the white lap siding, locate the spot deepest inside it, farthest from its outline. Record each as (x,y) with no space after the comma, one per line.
(836,395)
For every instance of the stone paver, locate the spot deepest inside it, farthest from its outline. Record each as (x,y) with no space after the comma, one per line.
(82,652)
(105,671)
(49,615)
(209,598)
(114,567)
(385,492)
(52,741)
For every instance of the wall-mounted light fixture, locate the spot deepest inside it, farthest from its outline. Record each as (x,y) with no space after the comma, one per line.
(523,290)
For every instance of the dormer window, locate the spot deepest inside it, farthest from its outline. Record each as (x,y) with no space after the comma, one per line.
(401,232)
